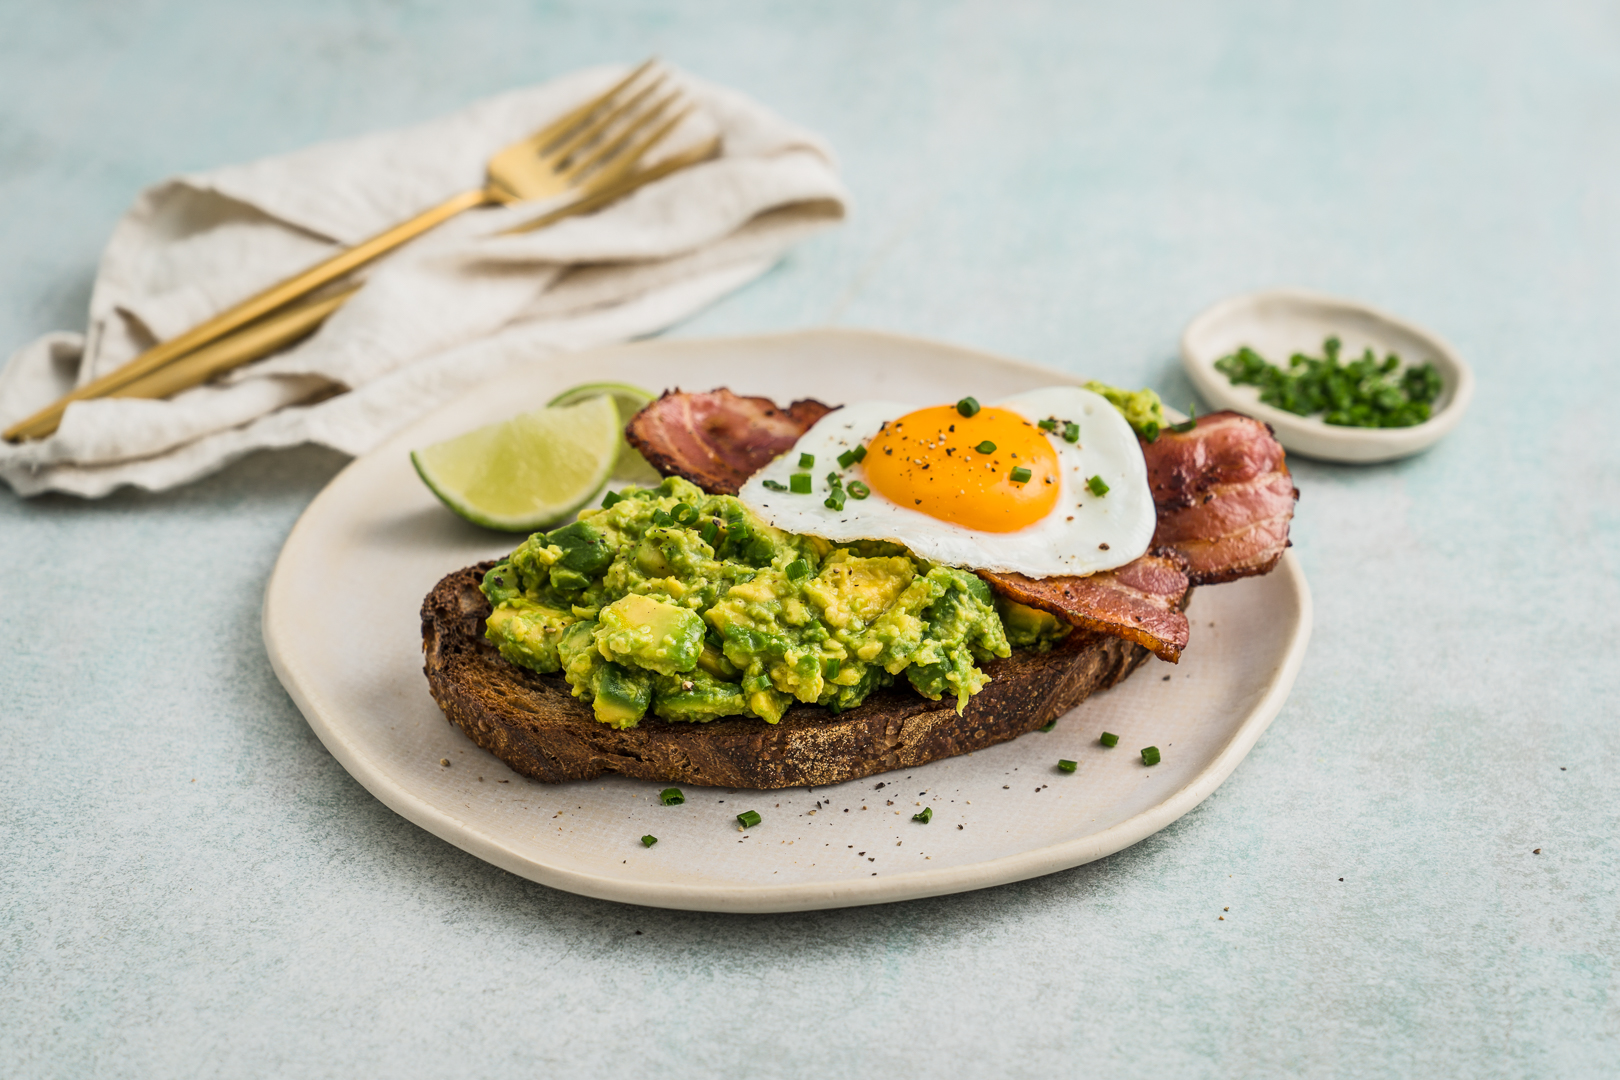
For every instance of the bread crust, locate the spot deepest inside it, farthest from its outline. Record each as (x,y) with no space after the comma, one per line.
(533,723)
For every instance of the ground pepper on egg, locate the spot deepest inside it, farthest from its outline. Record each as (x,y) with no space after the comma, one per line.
(688,606)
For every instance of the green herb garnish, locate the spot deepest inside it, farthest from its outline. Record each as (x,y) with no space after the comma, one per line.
(1065,765)
(807,461)
(1049,725)
(926,816)
(610,498)
(672,796)
(986,447)
(774,485)
(1367,392)
(858,490)
(1047,425)
(799,483)
(1020,475)
(649,840)
(1071,432)
(684,514)
(1188,424)
(796,569)
(967,406)
(834,499)
(1098,488)
(1150,755)
(748,819)
(850,457)
(1109,739)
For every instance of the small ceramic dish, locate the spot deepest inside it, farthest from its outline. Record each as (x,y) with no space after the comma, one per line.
(1281,322)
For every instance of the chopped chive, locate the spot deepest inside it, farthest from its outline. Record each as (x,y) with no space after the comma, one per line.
(967,406)
(661,518)
(831,667)
(834,480)
(799,483)
(850,457)
(672,796)
(710,532)
(649,840)
(1049,725)
(1020,475)
(858,490)
(1109,739)
(1150,755)
(1048,424)
(796,569)
(1188,424)
(684,514)
(1071,432)
(775,485)
(807,461)
(1065,765)
(927,814)
(986,447)
(834,499)
(610,498)
(1097,486)
(748,819)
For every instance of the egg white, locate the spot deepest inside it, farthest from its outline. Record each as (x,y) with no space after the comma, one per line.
(1083,534)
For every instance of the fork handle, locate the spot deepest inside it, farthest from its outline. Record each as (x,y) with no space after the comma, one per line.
(254,307)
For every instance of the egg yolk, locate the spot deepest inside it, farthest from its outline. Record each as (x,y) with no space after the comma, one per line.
(960,468)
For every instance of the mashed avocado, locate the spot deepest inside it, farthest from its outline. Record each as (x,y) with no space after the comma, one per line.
(688,605)
(1140,408)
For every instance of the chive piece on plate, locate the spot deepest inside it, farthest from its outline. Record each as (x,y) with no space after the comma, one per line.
(748,819)
(1187,424)
(986,447)
(1065,765)
(649,840)
(775,485)
(858,490)
(807,461)
(1097,486)
(799,483)
(672,796)
(1109,739)
(1020,475)
(850,457)
(834,499)
(967,406)
(1071,432)
(926,816)
(1049,424)
(1150,755)
(1049,725)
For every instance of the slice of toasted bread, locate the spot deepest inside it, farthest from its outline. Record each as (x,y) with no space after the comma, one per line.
(532,723)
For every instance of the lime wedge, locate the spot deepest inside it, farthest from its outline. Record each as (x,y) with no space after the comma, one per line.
(528,472)
(632,467)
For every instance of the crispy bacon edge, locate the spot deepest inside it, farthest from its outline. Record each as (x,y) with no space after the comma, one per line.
(1222,491)
(718,439)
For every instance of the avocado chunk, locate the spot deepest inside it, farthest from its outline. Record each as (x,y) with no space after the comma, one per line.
(1030,628)
(697,697)
(527,633)
(621,694)
(586,554)
(648,633)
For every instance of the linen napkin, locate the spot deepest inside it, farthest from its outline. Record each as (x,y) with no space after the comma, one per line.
(450,310)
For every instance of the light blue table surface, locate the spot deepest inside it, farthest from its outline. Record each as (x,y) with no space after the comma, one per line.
(191,886)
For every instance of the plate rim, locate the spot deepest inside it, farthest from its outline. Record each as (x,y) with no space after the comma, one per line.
(1309,436)
(760,899)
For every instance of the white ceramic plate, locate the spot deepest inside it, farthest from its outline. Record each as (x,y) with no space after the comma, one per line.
(342,628)
(1281,322)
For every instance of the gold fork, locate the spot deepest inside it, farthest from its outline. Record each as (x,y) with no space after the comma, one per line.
(593,148)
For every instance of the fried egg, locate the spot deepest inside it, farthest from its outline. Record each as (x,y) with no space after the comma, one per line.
(1004,489)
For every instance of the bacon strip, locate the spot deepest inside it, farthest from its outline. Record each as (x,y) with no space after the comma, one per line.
(1140,601)
(718,439)
(1222,491)
(1224,497)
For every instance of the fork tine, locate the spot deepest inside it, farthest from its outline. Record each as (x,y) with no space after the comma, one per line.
(591,131)
(607,149)
(574,117)
(627,161)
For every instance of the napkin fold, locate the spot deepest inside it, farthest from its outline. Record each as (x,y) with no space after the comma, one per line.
(450,310)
